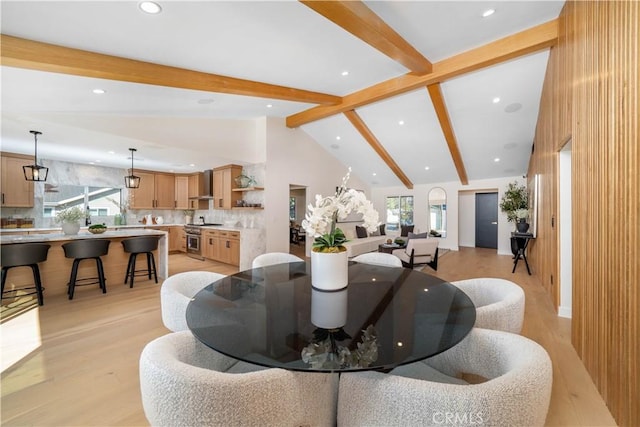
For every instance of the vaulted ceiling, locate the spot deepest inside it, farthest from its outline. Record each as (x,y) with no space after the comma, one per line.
(405,93)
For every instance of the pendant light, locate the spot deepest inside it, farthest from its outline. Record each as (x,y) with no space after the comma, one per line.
(35,172)
(132,181)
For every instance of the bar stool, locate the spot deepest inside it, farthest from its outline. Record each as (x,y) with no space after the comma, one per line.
(140,245)
(86,249)
(24,255)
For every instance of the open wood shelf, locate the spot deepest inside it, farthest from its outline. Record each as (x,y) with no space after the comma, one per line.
(248,189)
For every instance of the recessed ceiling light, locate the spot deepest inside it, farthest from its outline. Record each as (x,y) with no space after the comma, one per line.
(91,163)
(150,7)
(345,73)
(488,12)
(269,105)
(426,168)
(401,122)
(192,165)
(111,152)
(98,91)
(497,159)
(496,100)
(374,174)
(338,137)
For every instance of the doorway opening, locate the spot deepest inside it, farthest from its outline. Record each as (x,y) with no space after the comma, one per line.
(297,209)
(565,234)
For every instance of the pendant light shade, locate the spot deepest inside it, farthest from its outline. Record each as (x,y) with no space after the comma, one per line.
(132,181)
(35,172)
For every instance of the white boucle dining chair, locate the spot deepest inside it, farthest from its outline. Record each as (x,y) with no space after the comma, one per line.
(378,258)
(272,258)
(516,392)
(185,383)
(499,303)
(177,291)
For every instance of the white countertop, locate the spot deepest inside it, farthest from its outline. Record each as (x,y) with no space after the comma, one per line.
(55,237)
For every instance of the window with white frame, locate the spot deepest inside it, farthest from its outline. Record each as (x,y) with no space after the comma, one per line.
(399,212)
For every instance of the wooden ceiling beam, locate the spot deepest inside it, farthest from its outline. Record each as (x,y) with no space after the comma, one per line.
(356,18)
(366,133)
(22,53)
(435,92)
(528,41)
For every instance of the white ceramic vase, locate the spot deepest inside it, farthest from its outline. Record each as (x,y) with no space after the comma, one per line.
(329,271)
(70,228)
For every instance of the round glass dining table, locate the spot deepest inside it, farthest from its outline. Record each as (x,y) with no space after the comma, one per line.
(385,317)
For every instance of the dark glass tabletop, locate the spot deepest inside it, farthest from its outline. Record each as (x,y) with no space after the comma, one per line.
(387,316)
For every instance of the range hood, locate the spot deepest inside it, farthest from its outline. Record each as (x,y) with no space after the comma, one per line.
(206,185)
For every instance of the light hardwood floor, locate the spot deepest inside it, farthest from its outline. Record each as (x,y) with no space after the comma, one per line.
(84,371)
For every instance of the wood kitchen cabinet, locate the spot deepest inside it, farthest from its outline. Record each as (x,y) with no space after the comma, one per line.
(229,247)
(177,239)
(209,244)
(183,240)
(182,191)
(165,191)
(17,192)
(223,183)
(221,245)
(156,191)
(196,188)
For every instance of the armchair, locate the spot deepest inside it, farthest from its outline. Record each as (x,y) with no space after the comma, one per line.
(419,251)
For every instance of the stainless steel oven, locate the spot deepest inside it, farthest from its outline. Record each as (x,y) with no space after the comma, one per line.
(194,248)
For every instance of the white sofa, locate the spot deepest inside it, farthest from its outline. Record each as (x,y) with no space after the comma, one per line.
(356,246)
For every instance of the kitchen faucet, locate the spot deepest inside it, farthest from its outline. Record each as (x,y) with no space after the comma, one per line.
(201,219)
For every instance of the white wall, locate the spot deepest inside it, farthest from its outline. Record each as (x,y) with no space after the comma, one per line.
(293,157)
(467,218)
(456,212)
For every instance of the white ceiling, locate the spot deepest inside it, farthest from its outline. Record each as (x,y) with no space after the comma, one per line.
(283,43)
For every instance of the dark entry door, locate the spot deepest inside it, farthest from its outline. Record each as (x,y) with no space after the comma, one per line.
(487,220)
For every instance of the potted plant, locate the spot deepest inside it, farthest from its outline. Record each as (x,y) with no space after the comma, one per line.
(70,219)
(329,259)
(514,198)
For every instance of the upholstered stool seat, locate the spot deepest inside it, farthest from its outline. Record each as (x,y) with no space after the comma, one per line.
(140,245)
(24,255)
(86,249)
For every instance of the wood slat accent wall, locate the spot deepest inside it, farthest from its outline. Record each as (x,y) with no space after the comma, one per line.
(591,96)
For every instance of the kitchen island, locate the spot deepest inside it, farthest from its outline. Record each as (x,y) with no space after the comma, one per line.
(56,269)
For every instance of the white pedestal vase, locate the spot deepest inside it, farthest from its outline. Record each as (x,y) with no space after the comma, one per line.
(329,271)
(70,228)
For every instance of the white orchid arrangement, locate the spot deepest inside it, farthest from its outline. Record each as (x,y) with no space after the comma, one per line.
(320,220)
